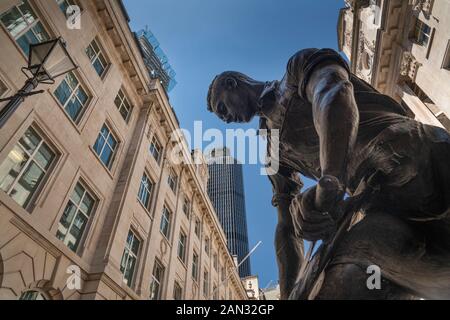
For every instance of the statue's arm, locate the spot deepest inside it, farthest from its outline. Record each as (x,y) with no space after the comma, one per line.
(336,116)
(288,246)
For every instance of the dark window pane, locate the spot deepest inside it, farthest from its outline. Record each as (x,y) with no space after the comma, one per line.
(30,140)
(98,67)
(106,155)
(44,156)
(81,94)
(99,144)
(27,185)
(63,92)
(73,108)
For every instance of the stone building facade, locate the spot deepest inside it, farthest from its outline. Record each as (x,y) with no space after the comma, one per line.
(87,184)
(402,48)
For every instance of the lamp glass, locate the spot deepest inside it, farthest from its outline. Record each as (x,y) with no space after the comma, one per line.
(49,60)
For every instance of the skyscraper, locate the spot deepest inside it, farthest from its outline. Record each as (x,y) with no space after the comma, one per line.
(226,190)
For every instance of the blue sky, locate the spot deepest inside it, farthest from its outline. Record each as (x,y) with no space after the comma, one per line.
(205,37)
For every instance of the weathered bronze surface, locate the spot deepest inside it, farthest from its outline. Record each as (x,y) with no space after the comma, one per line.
(338,130)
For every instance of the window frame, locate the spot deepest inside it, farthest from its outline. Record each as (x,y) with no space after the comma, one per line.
(419,36)
(198,231)
(182,246)
(168,220)
(29,26)
(74,93)
(123,101)
(156,146)
(159,282)
(112,158)
(172,180)
(195,266)
(186,206)
(101,53)
(177,291)
(149,190)
(44,141)
(205,283)
(89,216)
(129,247)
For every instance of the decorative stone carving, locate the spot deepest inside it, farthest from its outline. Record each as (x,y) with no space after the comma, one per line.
(426,6)
(360,4)
(409,66)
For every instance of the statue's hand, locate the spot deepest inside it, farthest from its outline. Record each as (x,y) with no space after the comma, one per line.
(309,222)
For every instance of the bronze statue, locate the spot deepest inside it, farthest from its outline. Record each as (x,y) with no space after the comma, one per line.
(338,130)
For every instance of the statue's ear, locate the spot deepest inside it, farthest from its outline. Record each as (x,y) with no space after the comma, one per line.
(231,83)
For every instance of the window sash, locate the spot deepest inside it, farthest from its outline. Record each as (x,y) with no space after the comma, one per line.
(97,58)
(123,105)
(145,191)
(74,94)
(155,149)
(157,279)
(29,27)
(165,223)
(31,159)
(78,209)
(195,266)
(106,143)
(182,246)
(130,258)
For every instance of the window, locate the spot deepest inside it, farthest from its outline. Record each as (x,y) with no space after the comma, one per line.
(177,291)
(157,278)
(197,228)
(165,222)
(172,180)
(97,58)
(186,206)
(72,96)
(446,64)
(422,33)
(32,295)
(65,4)
(145,191)
(195,266)
(75,217)
(156,149)
(24,26)
(23,171)
(105,146)
(205,283)
(207,245)
(129,258)
(215,261)
(123,105)
(182,246)
(215,292)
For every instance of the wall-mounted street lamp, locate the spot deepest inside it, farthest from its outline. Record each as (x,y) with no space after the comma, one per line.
(46,61)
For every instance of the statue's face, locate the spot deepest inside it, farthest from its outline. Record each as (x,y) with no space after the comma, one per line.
(233,102)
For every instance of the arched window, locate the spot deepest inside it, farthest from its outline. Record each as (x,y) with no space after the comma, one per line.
(32,295)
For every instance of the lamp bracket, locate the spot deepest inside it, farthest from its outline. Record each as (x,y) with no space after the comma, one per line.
(23,95)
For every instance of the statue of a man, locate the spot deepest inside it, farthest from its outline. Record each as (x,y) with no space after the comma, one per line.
(334,125)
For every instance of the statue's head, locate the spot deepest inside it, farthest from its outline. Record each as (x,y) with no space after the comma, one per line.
(233,97)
